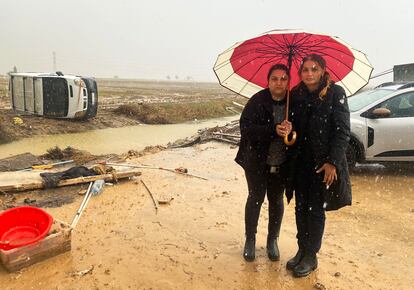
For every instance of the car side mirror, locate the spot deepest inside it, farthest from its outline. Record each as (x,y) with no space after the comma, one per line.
(381,113)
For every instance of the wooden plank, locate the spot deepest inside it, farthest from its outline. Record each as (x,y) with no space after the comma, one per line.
(229,135)
(39,184)
(57,242)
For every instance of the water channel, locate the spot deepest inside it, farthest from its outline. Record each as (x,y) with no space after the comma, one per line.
(112,140)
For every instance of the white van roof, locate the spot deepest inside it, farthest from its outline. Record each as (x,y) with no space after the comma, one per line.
(42,74)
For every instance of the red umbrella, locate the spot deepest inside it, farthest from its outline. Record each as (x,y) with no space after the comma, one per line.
(243,67)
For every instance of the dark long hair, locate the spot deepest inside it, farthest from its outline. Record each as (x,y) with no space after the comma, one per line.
(325,79)
(278,66)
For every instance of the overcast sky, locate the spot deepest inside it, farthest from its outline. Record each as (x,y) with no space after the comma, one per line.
(155,38)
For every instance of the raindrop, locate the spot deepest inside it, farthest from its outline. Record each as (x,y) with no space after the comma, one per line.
(310,208)
(324,204)
(342,101)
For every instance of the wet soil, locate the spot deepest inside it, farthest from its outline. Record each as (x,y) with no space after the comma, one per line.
(195,242)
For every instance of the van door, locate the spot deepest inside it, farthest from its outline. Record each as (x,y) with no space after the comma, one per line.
(29,95)
(38,96)
(18,94)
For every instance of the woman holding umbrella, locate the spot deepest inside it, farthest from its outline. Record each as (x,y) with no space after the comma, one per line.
(321,179)
(262,154)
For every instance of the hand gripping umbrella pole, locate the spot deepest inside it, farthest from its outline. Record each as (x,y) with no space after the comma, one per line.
(286,138)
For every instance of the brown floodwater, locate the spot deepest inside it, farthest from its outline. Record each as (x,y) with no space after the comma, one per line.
(112,140)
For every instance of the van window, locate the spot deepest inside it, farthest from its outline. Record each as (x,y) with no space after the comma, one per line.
(71,91)
(55,97)
(84,92)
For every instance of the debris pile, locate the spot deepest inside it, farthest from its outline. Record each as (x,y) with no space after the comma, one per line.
(229,133)
(79,156)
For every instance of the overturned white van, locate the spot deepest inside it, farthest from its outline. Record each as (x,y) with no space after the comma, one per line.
(54,95)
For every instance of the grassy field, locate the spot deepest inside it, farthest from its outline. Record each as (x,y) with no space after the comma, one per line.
(169,113)
(165,102)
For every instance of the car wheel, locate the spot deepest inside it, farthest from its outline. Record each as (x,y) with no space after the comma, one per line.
(351,156)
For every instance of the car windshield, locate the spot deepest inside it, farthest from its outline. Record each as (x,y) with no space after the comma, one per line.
(360,100)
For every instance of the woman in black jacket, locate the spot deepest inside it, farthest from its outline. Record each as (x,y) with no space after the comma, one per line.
(321,179)
(262,154)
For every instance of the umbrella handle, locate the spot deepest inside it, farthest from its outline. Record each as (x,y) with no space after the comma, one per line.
(291,141)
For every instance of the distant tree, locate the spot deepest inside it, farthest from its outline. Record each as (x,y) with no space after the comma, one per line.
(189,78)
(177,77)
(116,77)
(168,77)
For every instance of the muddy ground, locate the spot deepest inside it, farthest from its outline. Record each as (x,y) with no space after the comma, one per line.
(126,103)
(196,241)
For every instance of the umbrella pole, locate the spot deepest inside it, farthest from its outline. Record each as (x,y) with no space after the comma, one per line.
(287,103)
(286,138)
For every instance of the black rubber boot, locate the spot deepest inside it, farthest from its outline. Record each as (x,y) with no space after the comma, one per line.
(249,249)
(308,264)
(293,262)
(272,249)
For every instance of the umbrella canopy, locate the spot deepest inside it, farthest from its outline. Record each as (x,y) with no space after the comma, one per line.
(243,67)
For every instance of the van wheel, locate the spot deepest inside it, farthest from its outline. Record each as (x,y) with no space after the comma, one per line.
(351,155)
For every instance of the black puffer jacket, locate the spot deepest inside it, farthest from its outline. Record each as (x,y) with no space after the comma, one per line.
(257,131)
(323,129)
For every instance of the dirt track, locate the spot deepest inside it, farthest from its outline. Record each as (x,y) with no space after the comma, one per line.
(196,241)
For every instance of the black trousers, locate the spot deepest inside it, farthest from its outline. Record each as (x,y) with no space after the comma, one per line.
(309,211)
(260,184)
